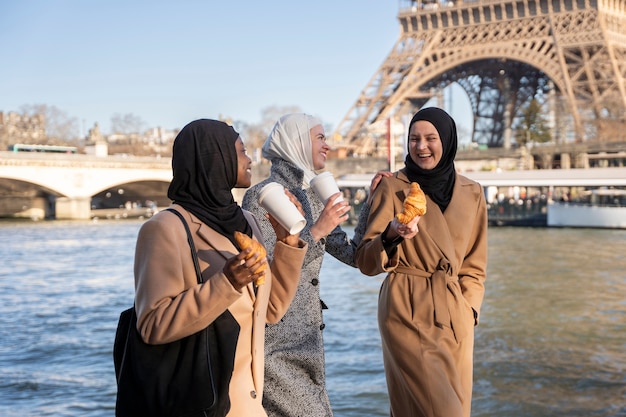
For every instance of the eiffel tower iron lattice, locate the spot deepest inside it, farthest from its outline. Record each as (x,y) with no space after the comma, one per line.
(568,54)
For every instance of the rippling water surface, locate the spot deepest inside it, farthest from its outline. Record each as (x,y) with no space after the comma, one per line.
(552,338)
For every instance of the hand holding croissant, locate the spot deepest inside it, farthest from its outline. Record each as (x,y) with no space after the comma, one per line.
(414,204)
(244,241)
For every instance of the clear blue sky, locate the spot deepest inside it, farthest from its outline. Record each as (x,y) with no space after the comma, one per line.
(170,62)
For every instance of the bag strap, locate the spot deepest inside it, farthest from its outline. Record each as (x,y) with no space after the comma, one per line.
(194,254)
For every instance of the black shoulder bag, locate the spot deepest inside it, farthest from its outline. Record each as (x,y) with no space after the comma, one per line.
(188,377)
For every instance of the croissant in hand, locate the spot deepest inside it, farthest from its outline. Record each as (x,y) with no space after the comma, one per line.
(244,241)
(414,204)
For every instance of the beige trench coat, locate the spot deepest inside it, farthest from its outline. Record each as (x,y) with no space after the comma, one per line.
(171,305)
(430,300)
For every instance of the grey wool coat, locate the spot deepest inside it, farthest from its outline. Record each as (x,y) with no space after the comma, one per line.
(294,347)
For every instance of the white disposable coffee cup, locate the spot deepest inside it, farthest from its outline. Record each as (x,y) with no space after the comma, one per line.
(272,198)
(324,185)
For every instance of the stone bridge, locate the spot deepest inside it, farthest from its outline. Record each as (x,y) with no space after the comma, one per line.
(46,185)
(70,186)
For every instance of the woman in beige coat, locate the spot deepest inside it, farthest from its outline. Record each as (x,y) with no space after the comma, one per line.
(209,159)
(430,300)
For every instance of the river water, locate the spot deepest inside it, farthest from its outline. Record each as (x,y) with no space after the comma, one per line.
(552,338)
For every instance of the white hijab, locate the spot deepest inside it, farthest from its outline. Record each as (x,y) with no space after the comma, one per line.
(290,139)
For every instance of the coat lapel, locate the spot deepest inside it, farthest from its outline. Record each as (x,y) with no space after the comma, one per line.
(436,226)
(213,248)
(220,245)
(460,213)
(434,223)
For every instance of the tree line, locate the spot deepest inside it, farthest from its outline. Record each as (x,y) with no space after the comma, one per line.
(130,130)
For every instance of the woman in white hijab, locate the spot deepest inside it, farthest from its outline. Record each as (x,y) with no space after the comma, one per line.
(294,348)
(291,140)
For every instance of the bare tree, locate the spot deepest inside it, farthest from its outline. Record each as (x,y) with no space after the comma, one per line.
(252,134)
(270,114)
(255,134)
(60,128)
(126,123)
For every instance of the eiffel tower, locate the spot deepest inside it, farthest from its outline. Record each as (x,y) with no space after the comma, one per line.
(569,55)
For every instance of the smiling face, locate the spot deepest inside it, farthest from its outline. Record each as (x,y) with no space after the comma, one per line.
(244,165)
(425,146)
(319,147)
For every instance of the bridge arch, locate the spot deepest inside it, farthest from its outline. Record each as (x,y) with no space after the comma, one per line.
(81,179)
(520,53)
(74,180)
(452,64)
(578,47)
(27,183)
(142,193)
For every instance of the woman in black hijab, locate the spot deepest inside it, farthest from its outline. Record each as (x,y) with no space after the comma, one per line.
(437,182)
(209,160)
(205,172)
(430,300)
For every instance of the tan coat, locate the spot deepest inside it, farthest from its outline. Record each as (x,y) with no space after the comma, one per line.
(171,305)
(430,299)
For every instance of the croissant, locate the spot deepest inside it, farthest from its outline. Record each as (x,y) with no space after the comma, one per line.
(414,204)
(244,241)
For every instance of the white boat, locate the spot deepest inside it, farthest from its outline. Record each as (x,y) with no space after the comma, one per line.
(599,208)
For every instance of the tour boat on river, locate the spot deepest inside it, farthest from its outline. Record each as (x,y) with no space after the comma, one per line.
(593,198)
(598,208)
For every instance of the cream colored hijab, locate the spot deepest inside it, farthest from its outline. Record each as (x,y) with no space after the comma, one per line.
(290,139)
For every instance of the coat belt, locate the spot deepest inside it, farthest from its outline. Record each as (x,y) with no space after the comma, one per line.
(446,314)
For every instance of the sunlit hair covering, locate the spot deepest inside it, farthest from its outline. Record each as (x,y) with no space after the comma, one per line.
(439,181)
(205,166)
(290,140)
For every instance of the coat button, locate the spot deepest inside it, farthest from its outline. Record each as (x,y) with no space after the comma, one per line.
(253,394)
(322,326)
(315,281)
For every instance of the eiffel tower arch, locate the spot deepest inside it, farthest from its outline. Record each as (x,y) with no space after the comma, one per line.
(570,55)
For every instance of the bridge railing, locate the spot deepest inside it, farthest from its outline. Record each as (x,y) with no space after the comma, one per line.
(83,160)
(543,6)
(425,15)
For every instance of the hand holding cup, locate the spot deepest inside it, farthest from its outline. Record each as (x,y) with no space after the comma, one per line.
(325,186)
(282,234)
(285,209)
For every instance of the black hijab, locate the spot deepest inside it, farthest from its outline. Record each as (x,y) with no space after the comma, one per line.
(204,164)
(439,181)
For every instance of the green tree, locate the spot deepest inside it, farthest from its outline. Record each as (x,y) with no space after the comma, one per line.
(533,125)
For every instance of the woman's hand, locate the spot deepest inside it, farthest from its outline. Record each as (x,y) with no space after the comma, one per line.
(375,181)
(407,231)
(332,216)
(240,272)
(282,234)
